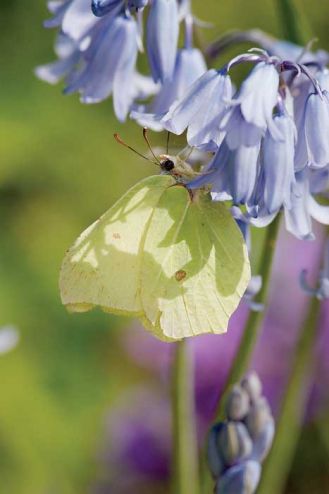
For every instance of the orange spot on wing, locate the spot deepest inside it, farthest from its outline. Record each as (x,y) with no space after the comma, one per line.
(180,275)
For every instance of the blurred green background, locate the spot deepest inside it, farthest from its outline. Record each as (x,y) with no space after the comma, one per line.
(59,169)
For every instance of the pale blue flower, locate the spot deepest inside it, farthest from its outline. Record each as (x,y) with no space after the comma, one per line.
(190,65)
(201,110)
(162,38)
(303,208)
(232,173)
(78,19)
(278,164)
(311,110)
(108,65)
(68,57)
(316,128)
(252,112)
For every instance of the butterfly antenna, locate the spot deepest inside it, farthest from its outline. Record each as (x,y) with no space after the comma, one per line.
(120,141)
(167,144)
(149,145)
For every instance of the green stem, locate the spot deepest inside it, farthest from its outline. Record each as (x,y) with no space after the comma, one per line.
(292,25)
(242,358)
(185,454)
(278,463)
(253,324)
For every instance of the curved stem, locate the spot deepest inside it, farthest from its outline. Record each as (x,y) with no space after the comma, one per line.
(278,463)
(185,454)
(253,324)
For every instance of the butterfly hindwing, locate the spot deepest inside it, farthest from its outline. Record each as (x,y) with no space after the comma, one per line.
(199,265)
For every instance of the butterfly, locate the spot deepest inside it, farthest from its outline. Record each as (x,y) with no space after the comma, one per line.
(171,257)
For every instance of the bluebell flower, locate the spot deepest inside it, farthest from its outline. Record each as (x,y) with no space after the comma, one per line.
(303,208)
(190,65)
(278,164)
(252,111)
(232,173)
(68,57)
(201,110)
(77,19)
(109,64)
(316,127)
(162,38)
(57,9)
(321,291)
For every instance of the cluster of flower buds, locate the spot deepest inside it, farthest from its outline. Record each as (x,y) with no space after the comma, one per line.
(237,447)
(98,45)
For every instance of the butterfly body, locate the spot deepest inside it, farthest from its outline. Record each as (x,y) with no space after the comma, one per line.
(176,166)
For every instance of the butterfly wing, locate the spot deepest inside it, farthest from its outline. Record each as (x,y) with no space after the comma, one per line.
(103,266)
(195,266)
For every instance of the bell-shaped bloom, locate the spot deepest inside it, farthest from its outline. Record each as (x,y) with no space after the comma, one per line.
(242,478)
(58,10)
(68,57)
(78,19)
(201,110)
(252,109)
(321,291)
(162,38)
(190,65)
(109,65)
(278,165)
(232,173)
(317,129)
(303,208)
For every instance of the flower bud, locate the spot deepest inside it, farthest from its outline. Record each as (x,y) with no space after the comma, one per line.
(215,461)
(260,425)
(252,385)
(234,443)
(240,479)
(238,404)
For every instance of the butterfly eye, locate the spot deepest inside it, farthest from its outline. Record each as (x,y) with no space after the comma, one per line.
(167,165)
